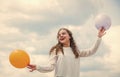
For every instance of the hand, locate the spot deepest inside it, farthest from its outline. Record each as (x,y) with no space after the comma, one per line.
(31,67)
(101,32)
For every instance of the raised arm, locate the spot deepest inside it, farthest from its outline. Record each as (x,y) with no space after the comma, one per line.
(91,51)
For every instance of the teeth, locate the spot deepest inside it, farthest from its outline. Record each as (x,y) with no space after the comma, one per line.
(62,38)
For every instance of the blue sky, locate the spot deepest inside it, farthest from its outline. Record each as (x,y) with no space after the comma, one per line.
(32,25)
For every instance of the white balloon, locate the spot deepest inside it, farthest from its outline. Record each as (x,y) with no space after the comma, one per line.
(102,20)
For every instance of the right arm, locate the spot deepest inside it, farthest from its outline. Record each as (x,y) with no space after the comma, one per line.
(46,68)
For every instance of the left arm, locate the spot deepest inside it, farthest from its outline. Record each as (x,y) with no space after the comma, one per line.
(88,52)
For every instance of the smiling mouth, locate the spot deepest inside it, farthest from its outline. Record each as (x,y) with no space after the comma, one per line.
(61,39)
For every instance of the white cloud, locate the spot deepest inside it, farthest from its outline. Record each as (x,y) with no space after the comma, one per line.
(34,15)
(107,64)
(5,30)
(112,40)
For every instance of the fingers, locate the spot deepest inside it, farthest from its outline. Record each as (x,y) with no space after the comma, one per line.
(101,32)
(31,67)
(102,29)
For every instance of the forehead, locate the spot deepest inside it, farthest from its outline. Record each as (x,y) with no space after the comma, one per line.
(62,31)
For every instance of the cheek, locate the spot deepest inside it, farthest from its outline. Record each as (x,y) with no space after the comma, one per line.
(67,37)
(58,39)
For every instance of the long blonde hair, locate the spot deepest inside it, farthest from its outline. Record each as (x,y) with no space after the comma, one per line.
(59,46)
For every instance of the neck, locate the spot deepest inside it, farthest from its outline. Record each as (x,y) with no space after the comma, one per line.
(66,45)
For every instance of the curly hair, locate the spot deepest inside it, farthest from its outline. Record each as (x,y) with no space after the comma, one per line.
(59,46)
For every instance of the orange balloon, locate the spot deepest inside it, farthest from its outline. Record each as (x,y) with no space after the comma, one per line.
(19,59)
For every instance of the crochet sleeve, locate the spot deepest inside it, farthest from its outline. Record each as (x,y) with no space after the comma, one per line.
(92,50)
(50,66)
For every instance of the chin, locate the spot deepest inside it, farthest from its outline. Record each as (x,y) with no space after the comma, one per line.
(62,42)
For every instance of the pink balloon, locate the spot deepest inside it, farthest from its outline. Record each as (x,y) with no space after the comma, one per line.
(102,20)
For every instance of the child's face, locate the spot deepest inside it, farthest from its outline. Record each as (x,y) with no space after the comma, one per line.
(63,37)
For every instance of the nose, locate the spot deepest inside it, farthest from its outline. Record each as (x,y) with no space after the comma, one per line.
(61,35)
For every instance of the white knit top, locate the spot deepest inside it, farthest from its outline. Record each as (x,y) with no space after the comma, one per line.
(67,65)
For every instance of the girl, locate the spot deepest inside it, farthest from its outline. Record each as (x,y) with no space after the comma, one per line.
(65,56)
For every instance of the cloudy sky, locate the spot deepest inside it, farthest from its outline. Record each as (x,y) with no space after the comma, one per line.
(32,25)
